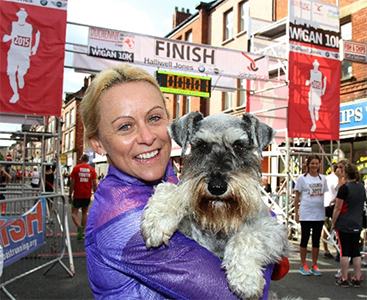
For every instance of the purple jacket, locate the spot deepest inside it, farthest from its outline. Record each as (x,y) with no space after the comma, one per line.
(120,266)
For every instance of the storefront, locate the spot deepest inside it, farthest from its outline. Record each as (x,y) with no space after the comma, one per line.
(353,134)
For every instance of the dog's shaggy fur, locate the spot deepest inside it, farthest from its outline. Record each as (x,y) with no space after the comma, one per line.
(218,199)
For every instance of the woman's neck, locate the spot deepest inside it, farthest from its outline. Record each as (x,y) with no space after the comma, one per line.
(313,173)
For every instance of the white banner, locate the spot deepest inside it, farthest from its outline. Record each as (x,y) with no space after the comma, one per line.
(175,55)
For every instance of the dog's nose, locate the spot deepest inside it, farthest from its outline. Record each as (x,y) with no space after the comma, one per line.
(217,186)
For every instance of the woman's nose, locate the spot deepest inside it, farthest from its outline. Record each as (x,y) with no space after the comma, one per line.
(146,135)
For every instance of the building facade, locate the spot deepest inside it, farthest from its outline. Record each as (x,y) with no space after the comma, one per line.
(260,27)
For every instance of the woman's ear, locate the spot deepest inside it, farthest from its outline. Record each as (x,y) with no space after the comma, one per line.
(97,145)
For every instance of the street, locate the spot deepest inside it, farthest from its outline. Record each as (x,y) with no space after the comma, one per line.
(57,284)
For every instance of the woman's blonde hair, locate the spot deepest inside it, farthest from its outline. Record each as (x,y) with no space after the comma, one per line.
(90,105)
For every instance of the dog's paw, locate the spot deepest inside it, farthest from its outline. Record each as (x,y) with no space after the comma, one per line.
(246,285)
(154,234)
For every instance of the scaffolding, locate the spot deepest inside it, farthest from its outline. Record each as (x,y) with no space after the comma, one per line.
(36,144)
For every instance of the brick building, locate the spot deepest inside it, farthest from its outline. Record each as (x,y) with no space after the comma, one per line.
(72,146)
(225,23)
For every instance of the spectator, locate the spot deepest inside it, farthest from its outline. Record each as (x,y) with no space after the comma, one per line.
(49,186)
(310,211)
(83,181)
(329,196)
(5,178)
(35,178)
(266,184)
(347,221)
(126,119)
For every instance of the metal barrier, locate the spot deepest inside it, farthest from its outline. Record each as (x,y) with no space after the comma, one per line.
(48,209)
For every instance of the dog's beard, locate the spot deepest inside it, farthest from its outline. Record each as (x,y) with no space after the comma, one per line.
(224,213)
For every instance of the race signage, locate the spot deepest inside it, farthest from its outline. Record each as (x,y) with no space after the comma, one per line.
(175,55)
(22,235)
(32,56)
(176,83)
(314,70)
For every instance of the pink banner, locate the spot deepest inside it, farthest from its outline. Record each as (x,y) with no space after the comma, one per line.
(32,56)
(269,104)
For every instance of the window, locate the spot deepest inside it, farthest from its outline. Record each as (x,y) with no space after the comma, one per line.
(346,34)
(189,36)
(66,141)
(227,100)
(71,144)
(243,15)
(72,116)
(178,106)
(228,22)
(188,104)
(67,120)
(243,94)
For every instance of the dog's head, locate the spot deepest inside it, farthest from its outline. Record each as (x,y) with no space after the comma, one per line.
(223,166)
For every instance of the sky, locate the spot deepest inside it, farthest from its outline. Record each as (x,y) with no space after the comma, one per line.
(137,16)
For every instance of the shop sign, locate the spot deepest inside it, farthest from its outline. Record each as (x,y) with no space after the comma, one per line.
(353,116)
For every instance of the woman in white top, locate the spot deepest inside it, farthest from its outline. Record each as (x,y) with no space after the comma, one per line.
(310,211)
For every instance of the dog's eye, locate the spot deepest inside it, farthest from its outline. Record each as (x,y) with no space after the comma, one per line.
(238,146)
(203,147)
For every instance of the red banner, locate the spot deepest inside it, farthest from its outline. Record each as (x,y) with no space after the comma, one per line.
(32,56)
(314,70)
(313,108)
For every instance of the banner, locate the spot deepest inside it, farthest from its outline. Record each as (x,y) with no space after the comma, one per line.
(269,104)
(314,70)
(32,49)
(183,57)
(22,235)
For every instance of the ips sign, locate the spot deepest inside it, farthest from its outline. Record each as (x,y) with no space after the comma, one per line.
(176,83)
(353,116)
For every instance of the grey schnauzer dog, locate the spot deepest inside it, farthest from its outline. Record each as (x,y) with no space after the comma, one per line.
(218,199)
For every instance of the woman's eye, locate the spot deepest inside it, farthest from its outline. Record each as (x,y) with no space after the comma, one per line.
(125,127)
(155,118)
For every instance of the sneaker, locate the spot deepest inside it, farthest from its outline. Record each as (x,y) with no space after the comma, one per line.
(356,282)
(315,271)
(342,282)
(327,254)
(304,270)
(79,235)
(339,275)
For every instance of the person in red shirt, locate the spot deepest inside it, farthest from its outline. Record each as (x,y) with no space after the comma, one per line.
(83,180)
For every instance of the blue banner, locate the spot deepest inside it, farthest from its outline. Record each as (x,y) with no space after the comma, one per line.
(22,235)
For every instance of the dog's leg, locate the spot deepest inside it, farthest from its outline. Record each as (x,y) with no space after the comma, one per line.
(247,252)
(243,263)
(162,215)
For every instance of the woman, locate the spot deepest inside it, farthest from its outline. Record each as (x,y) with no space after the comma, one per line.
(347,221)
(126,119)
(310,211)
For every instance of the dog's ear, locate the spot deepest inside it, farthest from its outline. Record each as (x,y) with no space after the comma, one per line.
(181,130)
(260,133)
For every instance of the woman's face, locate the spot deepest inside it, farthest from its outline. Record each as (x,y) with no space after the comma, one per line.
(314,165)
(133,130)
(341,169)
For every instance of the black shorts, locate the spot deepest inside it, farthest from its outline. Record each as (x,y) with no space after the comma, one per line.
(81,202)
(329,210)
